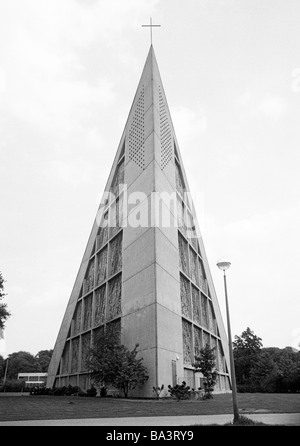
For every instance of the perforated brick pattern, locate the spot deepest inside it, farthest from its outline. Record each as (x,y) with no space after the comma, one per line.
(137,133)
(165,132)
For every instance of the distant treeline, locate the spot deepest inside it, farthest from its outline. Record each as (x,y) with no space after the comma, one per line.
(268,369)
(257,368)
(24,362)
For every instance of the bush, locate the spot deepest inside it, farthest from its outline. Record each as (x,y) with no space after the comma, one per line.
(13,385)
(245,421)
(103,392)
(180,392)
(59,391)
(40,391)
(157,390)
(71,390)
(92,391)
(207,393)
(56,391)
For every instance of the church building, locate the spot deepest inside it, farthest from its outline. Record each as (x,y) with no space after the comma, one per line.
(144,270)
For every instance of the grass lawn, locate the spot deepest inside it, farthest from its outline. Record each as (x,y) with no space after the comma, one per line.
(14,408)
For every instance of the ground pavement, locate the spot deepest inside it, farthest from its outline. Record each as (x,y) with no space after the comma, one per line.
(282,419)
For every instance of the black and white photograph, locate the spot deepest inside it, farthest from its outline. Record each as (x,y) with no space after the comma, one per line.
(150,214)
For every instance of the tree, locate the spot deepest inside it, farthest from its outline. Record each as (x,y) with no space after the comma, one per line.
(111,363)
(246,349)
(21,362)
(100,357)
(264,374)
(2,367)
(288,370)
(268,369)
(128,370)
(206,364)
(4,313)
(287,362)
(43,358)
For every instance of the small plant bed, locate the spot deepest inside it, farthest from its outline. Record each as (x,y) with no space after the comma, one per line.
(245,421)
(63,391)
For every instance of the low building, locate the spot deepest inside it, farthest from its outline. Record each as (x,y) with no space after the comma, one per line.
(33,379)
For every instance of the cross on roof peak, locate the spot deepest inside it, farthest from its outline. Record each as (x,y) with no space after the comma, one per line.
(151,26)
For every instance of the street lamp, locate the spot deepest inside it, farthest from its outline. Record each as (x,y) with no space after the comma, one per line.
(224,264)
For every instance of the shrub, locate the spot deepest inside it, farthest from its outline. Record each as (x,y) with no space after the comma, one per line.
(40,391)
(103,392)
(56,391)
(245,421)
(180,392)
(157,390)
(92,391)
(59,391)
(13,385)
(71,390)
(207,394)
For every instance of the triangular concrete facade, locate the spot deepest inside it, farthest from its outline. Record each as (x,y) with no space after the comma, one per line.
(147,276)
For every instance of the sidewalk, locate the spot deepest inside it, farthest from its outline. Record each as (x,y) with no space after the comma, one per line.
(282,419)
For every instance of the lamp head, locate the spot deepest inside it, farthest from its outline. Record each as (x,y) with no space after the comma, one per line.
(223,264)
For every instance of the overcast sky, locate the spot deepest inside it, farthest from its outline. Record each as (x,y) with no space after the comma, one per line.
(69,70)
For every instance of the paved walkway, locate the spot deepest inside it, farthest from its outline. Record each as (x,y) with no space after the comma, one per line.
(283,419)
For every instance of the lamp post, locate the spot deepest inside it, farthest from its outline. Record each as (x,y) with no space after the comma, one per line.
(224,264)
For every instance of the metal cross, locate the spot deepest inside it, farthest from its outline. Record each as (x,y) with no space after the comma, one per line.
(150,26)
